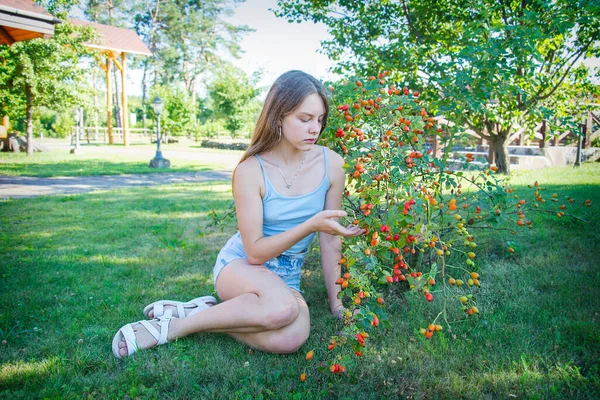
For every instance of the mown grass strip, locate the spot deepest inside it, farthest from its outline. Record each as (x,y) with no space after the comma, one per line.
(75,268)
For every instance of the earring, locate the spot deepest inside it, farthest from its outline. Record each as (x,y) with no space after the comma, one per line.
(279,132)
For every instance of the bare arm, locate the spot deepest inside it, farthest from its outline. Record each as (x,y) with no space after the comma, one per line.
(248,203)
(331,244)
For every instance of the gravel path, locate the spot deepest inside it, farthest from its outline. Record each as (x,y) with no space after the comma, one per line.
(17,187)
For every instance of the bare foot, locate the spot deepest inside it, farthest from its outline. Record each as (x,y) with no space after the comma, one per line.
(186,309)
(144,339)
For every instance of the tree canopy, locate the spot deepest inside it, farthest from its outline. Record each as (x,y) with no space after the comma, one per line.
(492,65)
(43,72)
(233,97)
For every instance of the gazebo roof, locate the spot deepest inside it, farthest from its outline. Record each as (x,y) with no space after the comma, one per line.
(24,20)
(115,39)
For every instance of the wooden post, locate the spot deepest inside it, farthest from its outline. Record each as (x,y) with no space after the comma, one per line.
(109,113)
(587,143)
(543,132)
(125,113)
(436,146)
(580,139)
(522,138)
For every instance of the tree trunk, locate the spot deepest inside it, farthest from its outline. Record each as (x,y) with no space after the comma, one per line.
(144,94)
(499,141)
(29,120)
(116,100)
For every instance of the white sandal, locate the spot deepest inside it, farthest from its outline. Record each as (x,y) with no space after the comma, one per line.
(198,304)
(132,345)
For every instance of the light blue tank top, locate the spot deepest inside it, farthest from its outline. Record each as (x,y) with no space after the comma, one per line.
(281,213)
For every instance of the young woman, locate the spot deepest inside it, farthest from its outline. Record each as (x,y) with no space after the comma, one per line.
(286,188)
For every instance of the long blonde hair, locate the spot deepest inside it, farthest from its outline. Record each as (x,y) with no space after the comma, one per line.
(286,94)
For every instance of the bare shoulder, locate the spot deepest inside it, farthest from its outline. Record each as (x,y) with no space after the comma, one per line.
(335,160)
(247,168)
(337,174)
(248,174)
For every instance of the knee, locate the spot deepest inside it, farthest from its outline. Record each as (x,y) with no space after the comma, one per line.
(281,312)
(288,342)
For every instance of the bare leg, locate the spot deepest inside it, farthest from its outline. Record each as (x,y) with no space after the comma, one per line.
(259,309)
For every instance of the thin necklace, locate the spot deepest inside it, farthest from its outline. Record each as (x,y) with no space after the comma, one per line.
(288,185)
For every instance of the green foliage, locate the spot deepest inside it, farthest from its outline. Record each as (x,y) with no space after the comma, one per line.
(178,112)
(491,65)
(233,98)
(46,68)
(44,72)
(188,37)
(423,220)
(58,7)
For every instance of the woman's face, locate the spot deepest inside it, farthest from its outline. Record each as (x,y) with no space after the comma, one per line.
(302,126)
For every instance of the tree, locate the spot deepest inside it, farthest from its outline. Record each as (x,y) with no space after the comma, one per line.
(492,65)
(187,36)
(233,97)
(178,110)
(44,72)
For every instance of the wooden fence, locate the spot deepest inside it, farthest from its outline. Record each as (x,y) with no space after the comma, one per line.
(99,135)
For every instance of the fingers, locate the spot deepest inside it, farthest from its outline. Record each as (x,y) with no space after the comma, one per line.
(334,213)
(350,231)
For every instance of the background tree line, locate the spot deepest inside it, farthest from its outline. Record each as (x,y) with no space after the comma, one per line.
(191,42)
(490,65)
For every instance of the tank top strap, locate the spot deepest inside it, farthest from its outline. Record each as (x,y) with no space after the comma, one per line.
(265,178)
(326,160)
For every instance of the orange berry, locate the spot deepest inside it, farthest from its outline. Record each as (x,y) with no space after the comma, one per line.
(310,355)
(302,377)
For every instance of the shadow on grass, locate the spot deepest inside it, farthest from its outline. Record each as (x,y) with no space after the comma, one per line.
(92,167)
(76,268)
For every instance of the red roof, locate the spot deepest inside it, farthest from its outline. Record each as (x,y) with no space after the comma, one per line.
(24,20)
(25,5)
(113,38)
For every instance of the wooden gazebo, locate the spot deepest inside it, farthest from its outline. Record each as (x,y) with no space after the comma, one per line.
(113,46)
(24,20)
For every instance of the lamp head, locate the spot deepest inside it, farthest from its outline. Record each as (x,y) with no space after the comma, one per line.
(158,105)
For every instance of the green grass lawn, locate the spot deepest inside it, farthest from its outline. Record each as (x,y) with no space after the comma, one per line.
(73,269)
(113,160)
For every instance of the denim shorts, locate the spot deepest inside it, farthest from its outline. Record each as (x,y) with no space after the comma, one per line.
(287,266)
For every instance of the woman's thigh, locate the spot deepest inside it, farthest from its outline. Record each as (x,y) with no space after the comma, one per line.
(240,277)
(287,339)
(280,302)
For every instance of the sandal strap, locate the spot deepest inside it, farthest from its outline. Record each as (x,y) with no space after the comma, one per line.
(129,335)
(200,306)
(164,323)
(151,329)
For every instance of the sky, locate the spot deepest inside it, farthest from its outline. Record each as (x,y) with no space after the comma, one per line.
(275,46)
(278,46)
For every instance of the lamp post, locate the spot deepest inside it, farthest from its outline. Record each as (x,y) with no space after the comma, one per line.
(77,116)
(158,161)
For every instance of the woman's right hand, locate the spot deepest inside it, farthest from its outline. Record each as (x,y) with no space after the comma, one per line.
(326,222)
